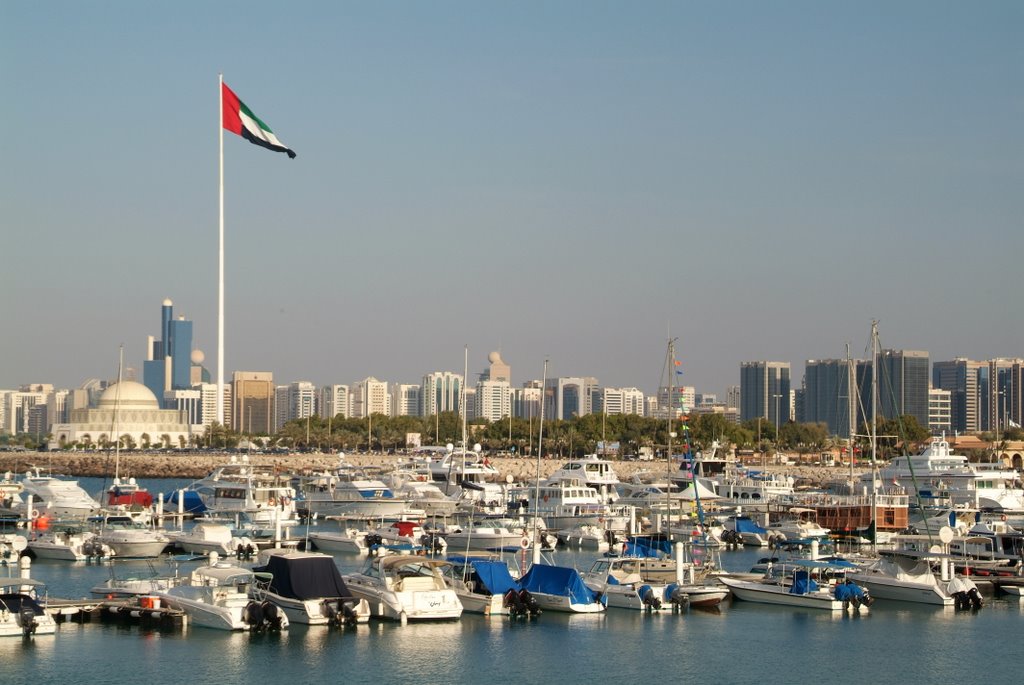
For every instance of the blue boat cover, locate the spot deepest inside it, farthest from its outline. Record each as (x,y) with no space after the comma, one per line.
(193,503)
(557,580)
(848,590)
(745,524)
(647,546)
(494,576)
(802,583)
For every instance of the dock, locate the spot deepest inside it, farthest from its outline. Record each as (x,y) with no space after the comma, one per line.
(135,611)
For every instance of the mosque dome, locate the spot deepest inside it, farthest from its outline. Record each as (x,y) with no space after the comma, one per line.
(128,395)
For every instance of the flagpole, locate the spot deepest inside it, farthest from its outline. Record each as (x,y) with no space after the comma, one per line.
(220,264)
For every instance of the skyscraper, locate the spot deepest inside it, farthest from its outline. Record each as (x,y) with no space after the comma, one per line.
(764,391)
(168,362)
(830,395)
(966,381)
(903,382)
(440,391)
(252,395)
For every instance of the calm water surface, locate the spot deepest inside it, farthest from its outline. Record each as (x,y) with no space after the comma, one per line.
(741,643)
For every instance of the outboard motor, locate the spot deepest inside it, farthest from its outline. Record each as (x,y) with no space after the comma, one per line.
(974,598)
(528,601)
(649,598)
(677,597)
(373,539)
(512,602)
(252,615)
(341,613)
(27,617)
(273,617)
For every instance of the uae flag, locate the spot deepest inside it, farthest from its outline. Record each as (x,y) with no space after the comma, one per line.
(239,119)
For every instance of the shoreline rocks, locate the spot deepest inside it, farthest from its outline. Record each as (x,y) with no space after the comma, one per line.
(194,466)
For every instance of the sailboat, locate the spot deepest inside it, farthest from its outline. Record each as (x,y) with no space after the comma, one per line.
(126,497)
(868,516)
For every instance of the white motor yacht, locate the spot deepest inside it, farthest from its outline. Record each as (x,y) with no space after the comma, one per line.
(405,588)
(21,615)
(218,596)
(593,472)
(68,543)
(308,587)
(347,491)
(802,589)
(206,536)
(942,477)
(56,498)
(127,538)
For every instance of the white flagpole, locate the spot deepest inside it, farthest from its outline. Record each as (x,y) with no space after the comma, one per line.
(220,274)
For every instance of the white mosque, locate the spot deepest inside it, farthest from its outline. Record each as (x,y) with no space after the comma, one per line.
(125,409)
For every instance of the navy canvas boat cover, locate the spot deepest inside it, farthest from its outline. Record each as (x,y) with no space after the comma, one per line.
(304,577)
(557,580)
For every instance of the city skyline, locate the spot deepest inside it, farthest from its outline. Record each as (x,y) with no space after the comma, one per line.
(556,181)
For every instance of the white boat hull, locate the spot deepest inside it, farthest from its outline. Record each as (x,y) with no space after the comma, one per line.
(780,595)
(564,604)
(314,612)
(884,587)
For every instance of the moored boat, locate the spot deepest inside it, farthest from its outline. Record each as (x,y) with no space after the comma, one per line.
(406,588)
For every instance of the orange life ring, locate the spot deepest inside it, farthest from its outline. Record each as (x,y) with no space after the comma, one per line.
(1003,517)
(271,501)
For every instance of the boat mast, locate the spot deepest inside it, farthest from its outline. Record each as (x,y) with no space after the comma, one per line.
(874,430)
(851,414)
(671,363)
(540,453)
(117,416)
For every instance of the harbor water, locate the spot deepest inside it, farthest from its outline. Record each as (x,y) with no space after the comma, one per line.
(738,643)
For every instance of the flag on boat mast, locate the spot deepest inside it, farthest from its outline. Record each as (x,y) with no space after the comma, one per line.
(237,118)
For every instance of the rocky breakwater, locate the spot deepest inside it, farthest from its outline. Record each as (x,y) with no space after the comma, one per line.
(193,465)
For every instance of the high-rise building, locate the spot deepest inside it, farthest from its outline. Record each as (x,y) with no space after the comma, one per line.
(253,396)
(405,399)
(440,391)
(1002,403)
(939,411)
(903,382)
(334,399)
(208,401)
(765,391)
(570,396)
(493,400)
(497,369)
(732,397)
(168,362)
(370,396)
(681,399)
(830,395)
(293,401)
(527,401)
(622,401)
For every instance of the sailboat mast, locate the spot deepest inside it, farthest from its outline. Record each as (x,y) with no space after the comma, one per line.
(117,416)
(540,453)
(671,363)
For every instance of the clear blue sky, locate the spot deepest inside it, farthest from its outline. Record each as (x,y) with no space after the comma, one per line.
(571,180)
